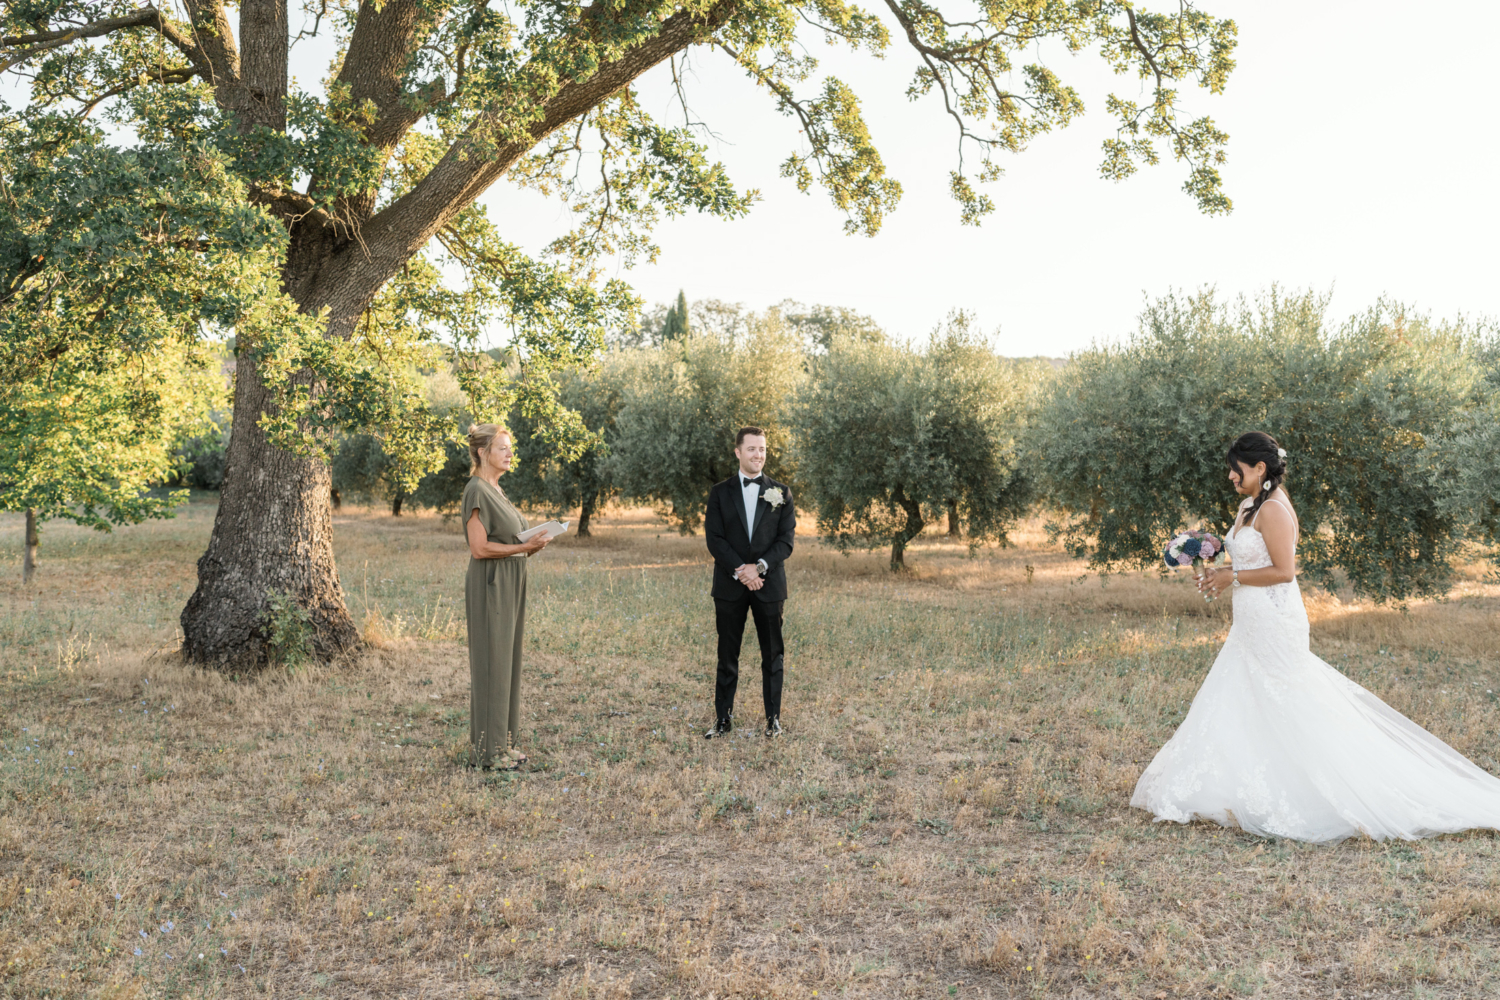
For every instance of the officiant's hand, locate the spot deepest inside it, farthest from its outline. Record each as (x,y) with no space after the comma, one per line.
(536,545)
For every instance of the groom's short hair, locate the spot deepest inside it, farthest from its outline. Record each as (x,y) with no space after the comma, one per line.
(739,438)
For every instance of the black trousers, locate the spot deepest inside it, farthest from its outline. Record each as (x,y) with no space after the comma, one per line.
(729,617)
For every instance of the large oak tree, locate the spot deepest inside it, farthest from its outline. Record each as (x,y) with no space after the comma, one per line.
(376,248)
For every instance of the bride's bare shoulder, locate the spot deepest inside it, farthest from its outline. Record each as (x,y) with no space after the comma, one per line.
(1276,515)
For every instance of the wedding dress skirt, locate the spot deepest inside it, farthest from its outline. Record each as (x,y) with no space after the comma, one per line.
(1279,743)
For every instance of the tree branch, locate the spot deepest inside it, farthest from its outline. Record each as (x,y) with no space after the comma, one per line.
(1141,47)
(289,206)
(161,74)
(380,48)
(214,35)
(264,37)
(62,36)
(146,17)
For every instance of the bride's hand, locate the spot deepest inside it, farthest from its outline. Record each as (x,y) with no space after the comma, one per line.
(1208,582)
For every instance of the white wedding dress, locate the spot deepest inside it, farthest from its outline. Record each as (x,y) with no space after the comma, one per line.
(1279,743)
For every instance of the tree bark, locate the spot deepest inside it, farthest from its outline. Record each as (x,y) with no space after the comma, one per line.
(396,503)
(28,555)
(583,517)
(912,529)
(954,529)
(273,534)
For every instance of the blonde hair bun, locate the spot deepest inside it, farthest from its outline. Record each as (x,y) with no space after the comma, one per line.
(481,436)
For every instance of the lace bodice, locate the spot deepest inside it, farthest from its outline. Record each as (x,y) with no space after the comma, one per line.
(1247,549)
(1278,606)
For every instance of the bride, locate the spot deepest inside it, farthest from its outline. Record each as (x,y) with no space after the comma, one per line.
(1277,742)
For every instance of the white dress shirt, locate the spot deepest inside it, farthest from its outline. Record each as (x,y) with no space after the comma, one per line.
(751,496)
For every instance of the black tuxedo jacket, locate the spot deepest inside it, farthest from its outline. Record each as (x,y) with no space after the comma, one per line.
(734,543)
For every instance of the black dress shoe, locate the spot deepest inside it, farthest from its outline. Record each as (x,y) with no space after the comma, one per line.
(721,728)
(773,727)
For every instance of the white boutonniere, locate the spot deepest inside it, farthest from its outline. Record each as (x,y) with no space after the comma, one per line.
(774,497)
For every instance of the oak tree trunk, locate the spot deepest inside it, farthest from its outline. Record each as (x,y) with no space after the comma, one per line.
(954,529)
(28,555)
(911,530)
(396,503)
(583,517)
(273,535)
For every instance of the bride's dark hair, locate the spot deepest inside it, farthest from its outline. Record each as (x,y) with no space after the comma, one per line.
(1253,448)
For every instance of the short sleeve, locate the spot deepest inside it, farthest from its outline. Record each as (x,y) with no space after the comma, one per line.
(474,499)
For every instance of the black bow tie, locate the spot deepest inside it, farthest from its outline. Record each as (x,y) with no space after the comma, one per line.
(757,481)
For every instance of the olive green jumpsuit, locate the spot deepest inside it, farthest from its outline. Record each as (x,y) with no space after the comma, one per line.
(495,599)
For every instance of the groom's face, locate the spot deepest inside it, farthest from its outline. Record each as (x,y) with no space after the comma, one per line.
(752,454)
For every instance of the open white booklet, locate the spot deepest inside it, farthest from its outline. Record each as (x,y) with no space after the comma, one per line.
(550,528)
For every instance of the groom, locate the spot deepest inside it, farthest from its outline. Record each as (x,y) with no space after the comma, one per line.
(750,526)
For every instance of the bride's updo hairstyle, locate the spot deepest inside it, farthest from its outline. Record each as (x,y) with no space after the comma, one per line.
(481,436)
(1251,449)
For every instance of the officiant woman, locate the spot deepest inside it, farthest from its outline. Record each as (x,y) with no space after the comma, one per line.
(495,598)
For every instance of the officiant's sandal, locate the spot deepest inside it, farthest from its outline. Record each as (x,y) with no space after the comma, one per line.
(516,755)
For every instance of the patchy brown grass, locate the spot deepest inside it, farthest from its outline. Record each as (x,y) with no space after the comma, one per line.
(946,816)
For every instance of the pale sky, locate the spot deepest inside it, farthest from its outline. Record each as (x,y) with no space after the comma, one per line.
(1363,158)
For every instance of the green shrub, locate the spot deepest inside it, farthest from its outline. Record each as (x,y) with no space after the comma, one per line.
(289,631)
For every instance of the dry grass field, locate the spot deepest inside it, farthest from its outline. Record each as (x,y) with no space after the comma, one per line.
(946,817)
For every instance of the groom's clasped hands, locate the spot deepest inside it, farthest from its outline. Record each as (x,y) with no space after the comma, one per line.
(750,576)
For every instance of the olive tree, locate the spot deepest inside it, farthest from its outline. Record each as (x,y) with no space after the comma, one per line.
(892,438)
(1466,475)
(558,475)
(682,403)
(367,466)
(1131,438)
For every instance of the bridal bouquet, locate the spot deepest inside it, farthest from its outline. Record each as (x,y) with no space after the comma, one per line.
(1192,548)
